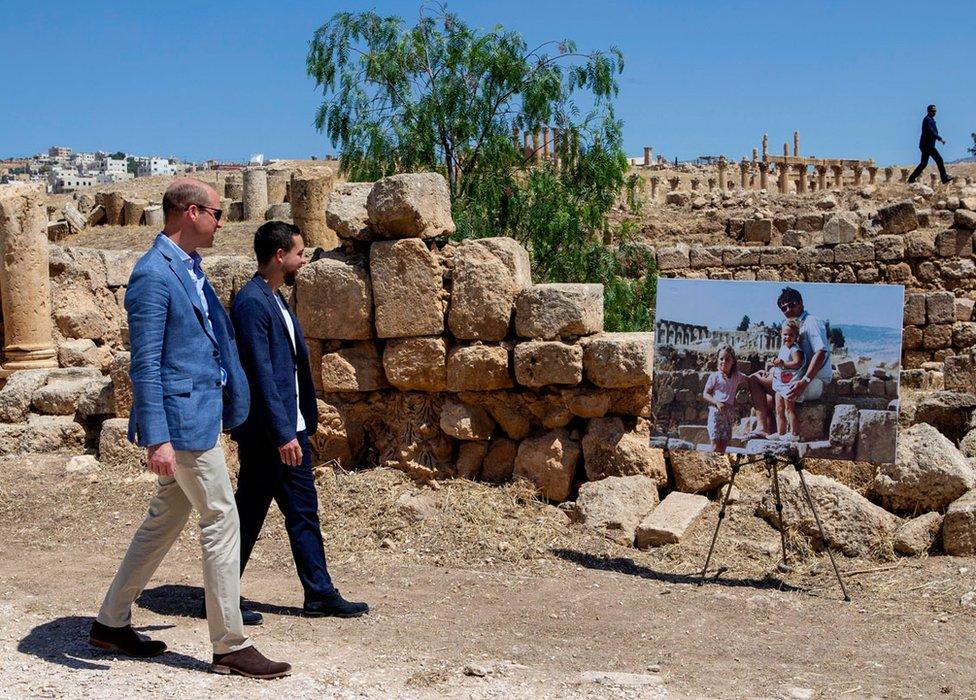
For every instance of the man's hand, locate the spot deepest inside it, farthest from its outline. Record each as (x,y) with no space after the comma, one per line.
(796,391)
(291,453)
(162,459)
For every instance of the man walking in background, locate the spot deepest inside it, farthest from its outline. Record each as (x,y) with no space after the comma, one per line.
(275,454)
(187,383)
(926,144)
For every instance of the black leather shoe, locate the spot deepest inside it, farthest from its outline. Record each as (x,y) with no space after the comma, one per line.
(248,616)
(333,605)
(123,640)
(948,180)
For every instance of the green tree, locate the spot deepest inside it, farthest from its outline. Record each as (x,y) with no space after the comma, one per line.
(744,323)
(442,96)
(972,149)
(836,337)
(118,155)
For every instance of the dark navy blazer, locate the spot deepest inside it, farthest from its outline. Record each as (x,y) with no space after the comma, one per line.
(270,362)
(176,357)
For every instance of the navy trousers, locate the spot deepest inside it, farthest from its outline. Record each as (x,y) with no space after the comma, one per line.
(934,155)
(264,477)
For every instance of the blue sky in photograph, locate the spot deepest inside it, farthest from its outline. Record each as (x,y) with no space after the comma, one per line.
(226,79)
(722,303)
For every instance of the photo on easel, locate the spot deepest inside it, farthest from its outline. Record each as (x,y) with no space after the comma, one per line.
(744,367)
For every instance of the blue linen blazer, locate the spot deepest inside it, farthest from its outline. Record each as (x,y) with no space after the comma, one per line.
(176,356)
(270,363)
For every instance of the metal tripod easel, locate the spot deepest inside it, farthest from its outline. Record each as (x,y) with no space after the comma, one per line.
(773,462)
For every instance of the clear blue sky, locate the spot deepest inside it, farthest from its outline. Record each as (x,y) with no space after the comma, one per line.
(722,304)
(226,79)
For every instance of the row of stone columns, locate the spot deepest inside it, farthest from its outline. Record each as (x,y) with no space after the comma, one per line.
(547,144)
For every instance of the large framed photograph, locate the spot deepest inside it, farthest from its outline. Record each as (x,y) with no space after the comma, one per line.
(775,367)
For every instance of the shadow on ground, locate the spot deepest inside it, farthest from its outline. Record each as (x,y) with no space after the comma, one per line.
(187,601)
(626,565)
(64,641)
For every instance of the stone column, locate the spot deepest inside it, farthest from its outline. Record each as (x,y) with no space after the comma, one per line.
(763,175)
(113,203)
(872,174)
(765,146)
(784,178)
(695,182)
(526,148)
(812,183)
(744,173)
(24,287)
(515,137)
(535,145)
(838,175)
(755,155)
(801,185)
(556,145)
(255,194)
(904,174)
(647,156)
(822,177)
(310,190)
(655,181)
(234,186)
(278,185)
(545,143)
(786,150)
(889,173)
(132,211)
(711,184)
(722,166)
(674,182)
(858,169)
(796,143)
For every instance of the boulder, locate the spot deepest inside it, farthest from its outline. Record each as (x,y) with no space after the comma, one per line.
(334,300)
(898,218)
(280,211)
(542,362)
(758,230)
(471,453)
(416,364)
(615,506)
(355,368)
(699,472)
(960,373)
(84,353)
(488,275)
(940,307)
(478,368)
(610,449)
(346,211)
(121,384)
(62,393)
(465,422)
(876,436)
(551,311)
(228,274)
(588,403)
(959,526)
(406,279)
(916,536)
(82,311)
(840,228)
(619,360)
(929,473)
(947,410)
(98,398)
(114,448)
(411,205)
(843,426)
(549,462)
(499,462)
(17,393)
(964,219)
(671,520)
(41,434)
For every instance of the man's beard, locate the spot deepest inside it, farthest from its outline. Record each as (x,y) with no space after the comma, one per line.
(290,278)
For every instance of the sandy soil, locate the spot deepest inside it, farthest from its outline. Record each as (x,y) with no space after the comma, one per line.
(491,595)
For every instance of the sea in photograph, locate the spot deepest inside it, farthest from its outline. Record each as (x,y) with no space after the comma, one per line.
(878,343)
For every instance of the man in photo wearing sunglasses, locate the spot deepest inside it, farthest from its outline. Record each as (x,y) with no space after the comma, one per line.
(187,385)
(815,346)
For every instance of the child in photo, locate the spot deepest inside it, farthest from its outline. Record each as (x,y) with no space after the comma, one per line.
(720,389)
(788,368)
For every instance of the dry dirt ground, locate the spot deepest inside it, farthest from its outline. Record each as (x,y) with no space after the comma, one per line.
(492,594)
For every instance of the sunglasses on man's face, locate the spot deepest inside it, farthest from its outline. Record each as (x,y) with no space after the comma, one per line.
(215,213)
(788,305)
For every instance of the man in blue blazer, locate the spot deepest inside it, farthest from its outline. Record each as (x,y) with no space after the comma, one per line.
(187,384)
(275,455)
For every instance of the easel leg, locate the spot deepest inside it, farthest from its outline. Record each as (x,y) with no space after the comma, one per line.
(779,513)
(823,537)
(721,517)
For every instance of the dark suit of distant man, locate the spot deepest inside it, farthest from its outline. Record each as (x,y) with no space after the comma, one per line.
(926,144)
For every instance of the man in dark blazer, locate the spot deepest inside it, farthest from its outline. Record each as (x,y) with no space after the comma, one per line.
(187,385)
(275,454)
(926,144)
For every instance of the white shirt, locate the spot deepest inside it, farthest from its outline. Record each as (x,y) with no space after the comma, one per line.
(291,335)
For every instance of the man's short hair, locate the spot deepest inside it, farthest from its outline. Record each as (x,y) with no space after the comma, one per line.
(788,294)
(930,108)
(182,194)
(273,236)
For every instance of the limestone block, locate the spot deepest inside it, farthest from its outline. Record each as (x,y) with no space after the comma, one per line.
(255,193)
(812,420)
(898,218)
(133,210)
(615,506)
(118,266)
(741,257)
(113,203)
(915,309)
(669,522)
(940,307)
(334,300)
(960,372)
(278,212)
(95,216)
(802,239)
(700,257)
(610,449)
(227,274)
(929,472)
(346,213)
(964,308)
(847,369)
(278,183)
(588,403)
(413,205)
(920,244)
(416,364)
(16,394)
(551,311)
(114,448)
(777,255)
(488,275)
(549,461)
(97,399)
(852,523)
(916,537)
(80,311)
(308,193)
(854,252)
(959,526)
(809,221)
(121,384)
(758,230)
(699,472)
(499,462)
(42,434)
(876,435)
(63,391)
(466,422)
(356,368)
(936,336)
(844,426)
(674,257)
(889,248)
(84,353)
(478,368)
(954,243)
(963,337)
(964,219)
(471,454)
(619,360)
(406,281)
(542,362)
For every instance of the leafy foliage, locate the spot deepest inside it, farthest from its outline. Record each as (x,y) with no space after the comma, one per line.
(744,323)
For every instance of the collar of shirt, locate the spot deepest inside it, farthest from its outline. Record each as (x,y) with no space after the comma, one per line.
(190,260)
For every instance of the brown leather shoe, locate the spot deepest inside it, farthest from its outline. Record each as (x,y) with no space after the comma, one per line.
(249,662)
(123,640)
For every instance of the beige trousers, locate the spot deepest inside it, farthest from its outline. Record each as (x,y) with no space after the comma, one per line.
(201,482)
